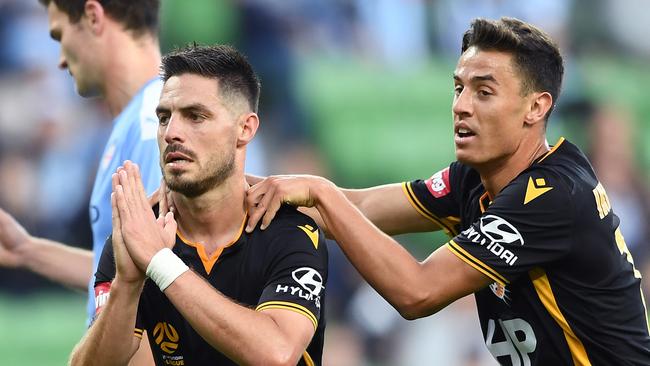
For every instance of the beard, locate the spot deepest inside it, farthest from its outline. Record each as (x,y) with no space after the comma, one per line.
(217,170)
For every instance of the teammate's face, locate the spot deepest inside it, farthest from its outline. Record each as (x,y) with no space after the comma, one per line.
(489,108)
(196,135)
(76,50)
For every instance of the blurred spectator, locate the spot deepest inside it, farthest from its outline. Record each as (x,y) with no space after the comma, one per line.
(613,137)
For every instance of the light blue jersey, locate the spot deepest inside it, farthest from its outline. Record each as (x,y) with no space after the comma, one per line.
(133,138)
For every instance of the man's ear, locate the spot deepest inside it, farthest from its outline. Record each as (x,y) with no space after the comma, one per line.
(540,104)
(95,16)
(247,128)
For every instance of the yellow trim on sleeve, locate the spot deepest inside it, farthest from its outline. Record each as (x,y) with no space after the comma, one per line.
(307,358)
(289,306)
(545,293)
(466,257)
(444,224)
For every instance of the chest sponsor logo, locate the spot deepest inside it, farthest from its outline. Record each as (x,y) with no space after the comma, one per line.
(519,341)
(495,232)
(310,285)
(438,184)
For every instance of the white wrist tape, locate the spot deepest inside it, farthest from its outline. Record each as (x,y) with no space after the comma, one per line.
(165,267)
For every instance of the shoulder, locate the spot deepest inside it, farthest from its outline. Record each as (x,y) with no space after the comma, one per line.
(292,230)
(141,117)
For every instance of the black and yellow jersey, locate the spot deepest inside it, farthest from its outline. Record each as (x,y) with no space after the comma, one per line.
(284,266)
(565,289)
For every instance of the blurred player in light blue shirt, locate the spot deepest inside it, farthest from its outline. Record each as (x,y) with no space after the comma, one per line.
(111,49)
(133,138)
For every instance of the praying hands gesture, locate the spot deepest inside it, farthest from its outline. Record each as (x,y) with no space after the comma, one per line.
(137,234)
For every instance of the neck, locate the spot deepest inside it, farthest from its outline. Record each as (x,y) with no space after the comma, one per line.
(496,175)
(132,63)
(214,218)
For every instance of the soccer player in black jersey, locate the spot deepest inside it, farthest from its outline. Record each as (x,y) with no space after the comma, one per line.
(206,292)
(534,235)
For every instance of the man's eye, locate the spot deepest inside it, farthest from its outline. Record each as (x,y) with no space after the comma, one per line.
(163,119)
(458,89)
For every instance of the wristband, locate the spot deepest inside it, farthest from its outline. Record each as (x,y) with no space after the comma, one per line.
(165,267)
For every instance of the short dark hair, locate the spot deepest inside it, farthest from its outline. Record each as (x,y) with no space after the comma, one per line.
(138,16)
(535,55)
(228,66)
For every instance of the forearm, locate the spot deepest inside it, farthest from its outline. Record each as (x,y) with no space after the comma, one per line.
(246,336)
(64,264)
(385,264)
(110,340)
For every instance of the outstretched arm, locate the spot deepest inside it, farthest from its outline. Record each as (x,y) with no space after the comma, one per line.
(414,288)
(64,264)
(386,206)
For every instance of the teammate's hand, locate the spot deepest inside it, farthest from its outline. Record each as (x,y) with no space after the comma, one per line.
(13,237)
(125,268)
(265,198)
(143,234)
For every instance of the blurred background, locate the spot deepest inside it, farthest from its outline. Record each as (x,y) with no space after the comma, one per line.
(359,91)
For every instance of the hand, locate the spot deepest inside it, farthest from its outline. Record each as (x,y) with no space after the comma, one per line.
(162,196)
(265,198)
(143,234)
(125,268)
(13,237)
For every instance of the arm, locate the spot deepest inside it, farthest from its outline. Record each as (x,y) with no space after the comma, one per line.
(414,288)
(110,340)
(248,337)
(385,206)
(58,262)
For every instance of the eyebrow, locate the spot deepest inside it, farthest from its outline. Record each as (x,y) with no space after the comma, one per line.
(478,78)
(196,107)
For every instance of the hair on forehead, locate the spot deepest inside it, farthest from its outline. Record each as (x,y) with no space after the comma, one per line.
(535,56)
(224,63)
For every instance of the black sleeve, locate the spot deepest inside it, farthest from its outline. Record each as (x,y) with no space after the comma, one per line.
(103,278)
(438,198)
(528,225)
(106,266)
(296,269)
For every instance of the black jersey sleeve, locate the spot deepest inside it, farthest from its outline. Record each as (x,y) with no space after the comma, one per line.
(438,198)
(528,225)
(103,279)
(106,266)
(296,268)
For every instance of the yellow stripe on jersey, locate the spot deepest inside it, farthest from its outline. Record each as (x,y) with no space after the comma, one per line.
(137,332)
(307,358)
(447,224)
(466,257)
(289,306)
(545,293)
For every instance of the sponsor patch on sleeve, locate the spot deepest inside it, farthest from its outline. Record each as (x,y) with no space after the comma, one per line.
(438,184)
(102,291)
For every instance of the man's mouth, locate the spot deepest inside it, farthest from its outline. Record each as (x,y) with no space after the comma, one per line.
(464,132)
(177,157)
